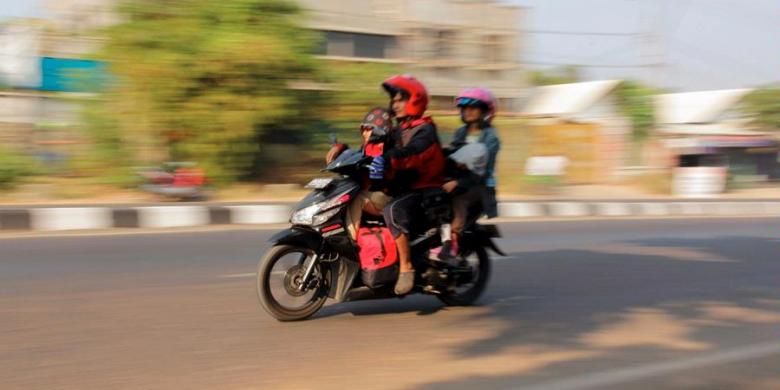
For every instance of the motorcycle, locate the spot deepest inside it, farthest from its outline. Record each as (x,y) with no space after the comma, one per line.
(316,258)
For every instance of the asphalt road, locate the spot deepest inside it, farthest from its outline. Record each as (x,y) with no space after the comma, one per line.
(631,304)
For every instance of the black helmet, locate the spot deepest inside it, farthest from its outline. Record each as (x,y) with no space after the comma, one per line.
(378,120)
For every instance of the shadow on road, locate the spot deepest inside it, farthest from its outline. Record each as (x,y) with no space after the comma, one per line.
(638,301)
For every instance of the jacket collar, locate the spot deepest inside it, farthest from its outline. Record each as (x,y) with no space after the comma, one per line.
(410,124)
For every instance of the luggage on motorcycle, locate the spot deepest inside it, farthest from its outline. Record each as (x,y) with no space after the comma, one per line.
(378,256)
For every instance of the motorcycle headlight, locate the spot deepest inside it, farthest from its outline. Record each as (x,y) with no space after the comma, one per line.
(319,213)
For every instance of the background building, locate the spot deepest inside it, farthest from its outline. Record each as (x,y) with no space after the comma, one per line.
(449,44)
(709,129)
(74,26)
(582,122)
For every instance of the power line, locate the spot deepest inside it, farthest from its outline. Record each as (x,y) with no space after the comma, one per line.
(583,33)
(526,31)
(546,63)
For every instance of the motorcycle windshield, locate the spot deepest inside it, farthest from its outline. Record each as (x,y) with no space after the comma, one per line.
(348,159)
(339,186)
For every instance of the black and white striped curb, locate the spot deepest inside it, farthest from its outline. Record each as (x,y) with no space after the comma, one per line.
(92,218)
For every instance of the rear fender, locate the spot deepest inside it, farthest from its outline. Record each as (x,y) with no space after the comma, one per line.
(482,236)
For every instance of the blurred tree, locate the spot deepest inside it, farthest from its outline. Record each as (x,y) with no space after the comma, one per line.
(354,89)
(14,167)
(764,105)
(206,81)
(108,159)
(560,75)
(636,102)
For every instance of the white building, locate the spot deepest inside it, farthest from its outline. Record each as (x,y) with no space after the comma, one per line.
(19,55)
(582,122)
(710,129)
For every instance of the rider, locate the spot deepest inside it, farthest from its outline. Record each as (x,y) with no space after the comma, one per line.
(477,110)
(466,168)
(415,162)
(373,130)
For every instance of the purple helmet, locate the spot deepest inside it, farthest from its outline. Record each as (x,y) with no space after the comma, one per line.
(478,97)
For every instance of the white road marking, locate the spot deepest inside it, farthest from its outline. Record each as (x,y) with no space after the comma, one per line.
(259,214)
(38,234)
(172,216)
(608,209)
(247,275)
(520,209)
(244,275)
(568,209)
(71,218)
(630,374)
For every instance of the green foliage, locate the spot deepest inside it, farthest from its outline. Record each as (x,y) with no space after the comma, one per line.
(636,102)
(764,105)
(354,88)
(206,81)
(14,167)
(357,88)
(560,75)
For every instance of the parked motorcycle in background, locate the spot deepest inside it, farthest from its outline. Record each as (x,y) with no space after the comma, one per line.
(183,181)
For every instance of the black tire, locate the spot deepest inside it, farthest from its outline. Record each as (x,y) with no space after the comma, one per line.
(472,294)
(266,297)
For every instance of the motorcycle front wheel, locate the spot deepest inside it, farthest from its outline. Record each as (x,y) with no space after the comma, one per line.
(279,278)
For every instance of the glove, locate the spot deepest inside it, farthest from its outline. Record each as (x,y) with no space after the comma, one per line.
(376,171)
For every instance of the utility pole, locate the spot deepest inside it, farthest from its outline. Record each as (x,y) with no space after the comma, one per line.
(651,46)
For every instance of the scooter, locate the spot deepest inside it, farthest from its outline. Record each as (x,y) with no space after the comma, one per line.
(316,259)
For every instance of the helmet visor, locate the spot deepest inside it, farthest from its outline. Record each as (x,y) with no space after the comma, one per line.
(468,102)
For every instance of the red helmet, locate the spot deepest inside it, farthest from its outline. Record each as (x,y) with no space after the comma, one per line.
(418,95)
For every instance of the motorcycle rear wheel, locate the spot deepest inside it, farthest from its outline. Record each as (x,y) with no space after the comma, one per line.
(471,293)
(290,280)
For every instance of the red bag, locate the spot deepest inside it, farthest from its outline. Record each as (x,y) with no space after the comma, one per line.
(378,256)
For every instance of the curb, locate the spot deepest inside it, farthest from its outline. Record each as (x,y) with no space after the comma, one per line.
(95,218)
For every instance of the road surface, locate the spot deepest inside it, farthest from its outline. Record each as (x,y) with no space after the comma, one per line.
(629,304)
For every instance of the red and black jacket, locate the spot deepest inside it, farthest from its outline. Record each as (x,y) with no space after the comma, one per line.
(414,157)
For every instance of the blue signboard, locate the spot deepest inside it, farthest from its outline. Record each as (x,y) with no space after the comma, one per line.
(72,75)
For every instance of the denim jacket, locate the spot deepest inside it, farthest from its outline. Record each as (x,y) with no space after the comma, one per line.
(489,137)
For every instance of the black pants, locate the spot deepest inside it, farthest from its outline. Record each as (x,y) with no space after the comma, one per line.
(491,203)
(466,206)
(402,212)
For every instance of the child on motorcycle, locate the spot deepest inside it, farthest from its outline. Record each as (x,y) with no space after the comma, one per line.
(477,110)
(373,130)
(465,173)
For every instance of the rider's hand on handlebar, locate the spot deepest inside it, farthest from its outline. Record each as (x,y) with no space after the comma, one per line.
(334,152)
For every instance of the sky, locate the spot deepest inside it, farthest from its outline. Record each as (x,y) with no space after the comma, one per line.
(684,45)
(695,44)
(18,8)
